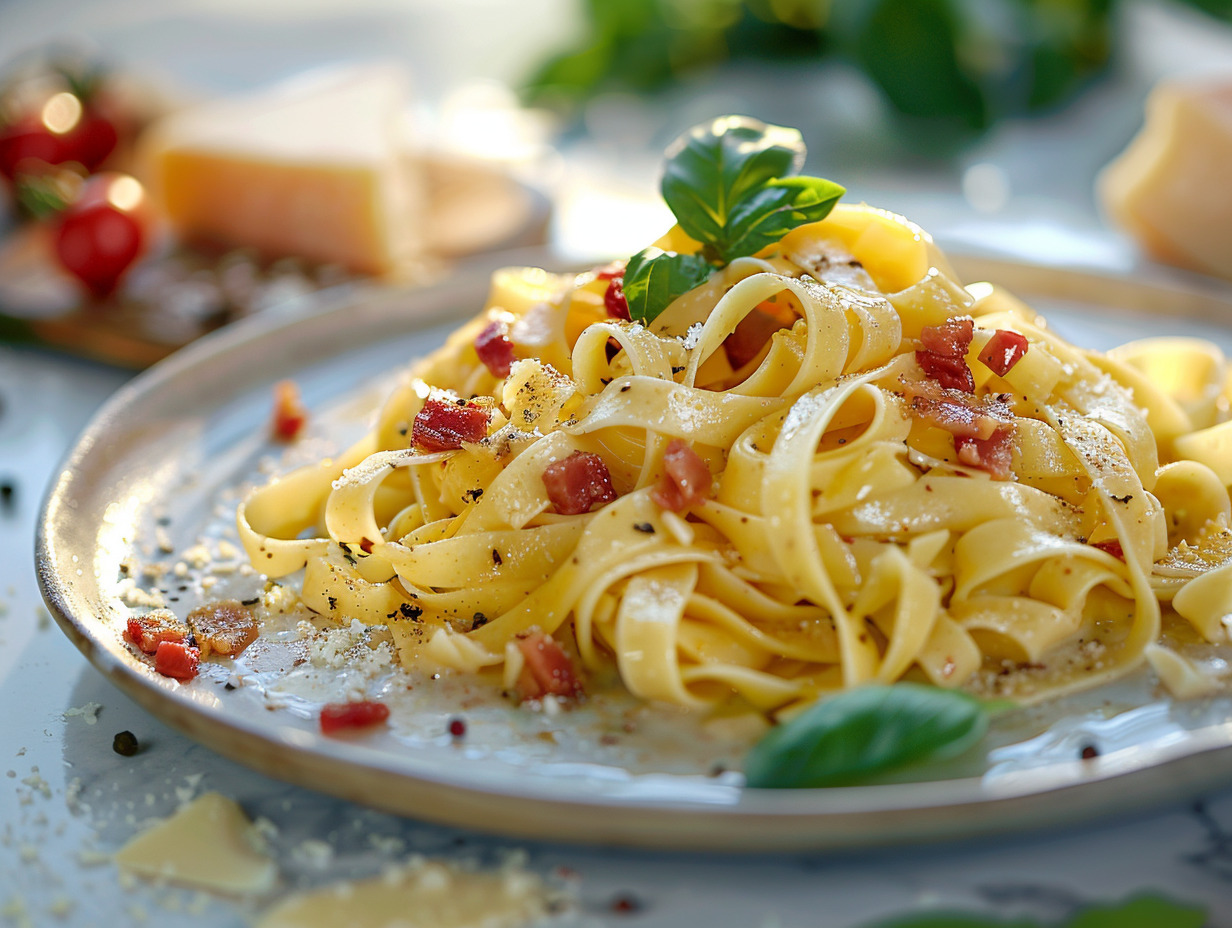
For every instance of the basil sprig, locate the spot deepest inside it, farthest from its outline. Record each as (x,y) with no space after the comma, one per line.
(869,730)
(732,186)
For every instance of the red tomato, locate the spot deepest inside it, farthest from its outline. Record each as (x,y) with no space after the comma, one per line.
(28,145)
(103,232)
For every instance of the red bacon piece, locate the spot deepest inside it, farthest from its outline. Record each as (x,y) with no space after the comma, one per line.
(443,425)
(1005,349)
(148,631)
(225,627)
(1112,546)
(578,483)
(176,660)
(546,669)
(614,299)
(341,716)
(495,349)
(951,339)
(686,480)
(290,416)
(993,454)
(951,373)
(753,331)
(962,420)
(943,353)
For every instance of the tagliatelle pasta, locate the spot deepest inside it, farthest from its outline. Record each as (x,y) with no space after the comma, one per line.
(1025,529)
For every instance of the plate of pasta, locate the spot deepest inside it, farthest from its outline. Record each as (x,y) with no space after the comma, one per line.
(788,499)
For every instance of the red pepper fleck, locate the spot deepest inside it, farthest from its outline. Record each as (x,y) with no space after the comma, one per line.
(614,299)
(443,426)
(341,716)
(1005,349)
(686,480)
(176,660)
(578,483)
(457,728)
(290,416)
(625,905)
(546,669)
(495,349)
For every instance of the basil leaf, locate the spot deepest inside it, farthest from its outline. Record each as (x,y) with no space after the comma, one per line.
(768,214)
(714,166)
(865,731)
(654,278)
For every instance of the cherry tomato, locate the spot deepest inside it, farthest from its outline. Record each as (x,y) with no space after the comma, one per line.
(63,131)
(28,146)
(101,234)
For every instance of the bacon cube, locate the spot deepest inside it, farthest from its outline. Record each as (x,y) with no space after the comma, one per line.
(494,348)
(686,480)
(546,669)
(176,660)
(443,425)
(341,716)
(290,416)
(151,629)
(225,627)
(943,353)
(578,483)
(1005,349)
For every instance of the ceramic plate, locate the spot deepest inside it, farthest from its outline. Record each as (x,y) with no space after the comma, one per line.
(147,496)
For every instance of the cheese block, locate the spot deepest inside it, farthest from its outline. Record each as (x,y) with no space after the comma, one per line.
(206,845)
(313,167)
(1169,188)
(423,894)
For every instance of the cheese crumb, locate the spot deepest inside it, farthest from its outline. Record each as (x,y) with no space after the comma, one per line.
(87,713)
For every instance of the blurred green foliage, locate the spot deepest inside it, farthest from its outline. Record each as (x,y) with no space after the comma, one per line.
(969,62)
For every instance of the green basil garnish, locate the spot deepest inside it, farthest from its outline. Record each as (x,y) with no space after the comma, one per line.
(732,186)
(869,730)
(654,278)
